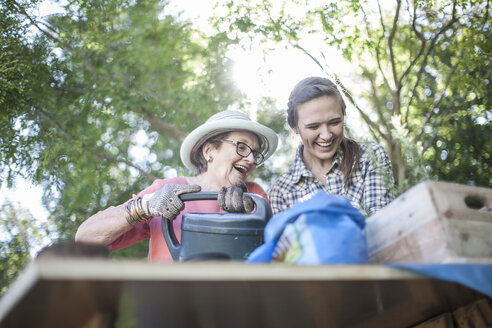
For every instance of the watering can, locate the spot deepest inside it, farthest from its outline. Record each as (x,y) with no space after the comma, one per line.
(217,236)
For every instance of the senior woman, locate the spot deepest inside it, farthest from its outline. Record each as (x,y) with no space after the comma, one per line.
(326,159)
(223,152)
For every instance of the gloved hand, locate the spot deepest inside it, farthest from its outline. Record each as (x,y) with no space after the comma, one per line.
(233,199)
(165,201)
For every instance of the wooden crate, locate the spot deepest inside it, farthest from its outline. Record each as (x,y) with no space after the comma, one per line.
(433,222)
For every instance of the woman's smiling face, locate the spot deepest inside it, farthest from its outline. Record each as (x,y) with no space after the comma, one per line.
(227,165)
(320,126)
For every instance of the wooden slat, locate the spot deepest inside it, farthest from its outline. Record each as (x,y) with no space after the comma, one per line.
(94,293)
(432,223)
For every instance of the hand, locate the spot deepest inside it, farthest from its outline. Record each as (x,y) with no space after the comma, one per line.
(165,201)
(233,199)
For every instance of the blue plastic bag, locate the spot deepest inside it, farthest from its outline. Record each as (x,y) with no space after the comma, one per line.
(323,229)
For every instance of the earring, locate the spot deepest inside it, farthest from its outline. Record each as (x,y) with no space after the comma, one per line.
(210,159)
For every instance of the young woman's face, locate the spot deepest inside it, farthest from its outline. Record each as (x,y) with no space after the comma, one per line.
(227,165)
(320,126)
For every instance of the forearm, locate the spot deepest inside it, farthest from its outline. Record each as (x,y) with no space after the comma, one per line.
(104,227)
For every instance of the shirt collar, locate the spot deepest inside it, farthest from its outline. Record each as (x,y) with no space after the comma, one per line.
(299,169)
(337,158)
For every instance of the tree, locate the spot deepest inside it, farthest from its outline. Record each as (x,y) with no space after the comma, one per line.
(108,91)
(18,66)
(20,236)
(421,67)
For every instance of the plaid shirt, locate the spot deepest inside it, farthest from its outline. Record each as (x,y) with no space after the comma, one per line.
(365,189)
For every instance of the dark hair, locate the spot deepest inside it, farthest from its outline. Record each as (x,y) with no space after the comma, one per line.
(314,87)
(214,138)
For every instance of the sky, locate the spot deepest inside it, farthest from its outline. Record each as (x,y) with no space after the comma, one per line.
(274,77)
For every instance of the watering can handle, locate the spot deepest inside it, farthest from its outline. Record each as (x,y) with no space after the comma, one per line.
(263,211)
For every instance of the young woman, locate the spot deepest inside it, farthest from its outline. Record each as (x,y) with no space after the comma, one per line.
(326,159)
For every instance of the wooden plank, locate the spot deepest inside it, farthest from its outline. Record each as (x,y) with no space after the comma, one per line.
(90,293)
(87,269)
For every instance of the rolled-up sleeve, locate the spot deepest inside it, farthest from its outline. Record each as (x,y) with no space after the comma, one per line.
(377,182)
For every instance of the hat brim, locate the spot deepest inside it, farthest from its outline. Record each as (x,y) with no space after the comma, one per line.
(268,135)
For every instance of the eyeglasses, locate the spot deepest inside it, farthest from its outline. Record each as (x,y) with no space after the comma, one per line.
(244,150)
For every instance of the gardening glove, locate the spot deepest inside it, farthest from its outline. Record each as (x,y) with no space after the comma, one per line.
(233,199)
(165,202)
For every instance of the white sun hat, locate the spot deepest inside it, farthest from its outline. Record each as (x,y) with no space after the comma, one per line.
(228,120)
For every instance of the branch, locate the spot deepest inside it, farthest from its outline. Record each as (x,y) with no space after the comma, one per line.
(364,116)
(277,24)
(486,16)
(381,20)
(390,46)
(49,27)
(297,46)
(437,103)
(378,54)
(423,43)
(376,101)
(54,120)
(110,158)
(53,37)
(72,89)
(437,125)
(163,127)
(414,26)
(124,161)
(372,126)
(429,49)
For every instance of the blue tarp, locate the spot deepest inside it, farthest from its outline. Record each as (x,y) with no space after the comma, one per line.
(475,276)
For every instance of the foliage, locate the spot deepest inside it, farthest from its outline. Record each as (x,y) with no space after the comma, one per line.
(20,234)
(276,165)
(18,66)
(421,65)
(94,104)
(111,89)
(420,170)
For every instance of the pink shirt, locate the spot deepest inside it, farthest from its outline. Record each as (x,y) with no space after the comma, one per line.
(152,229)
